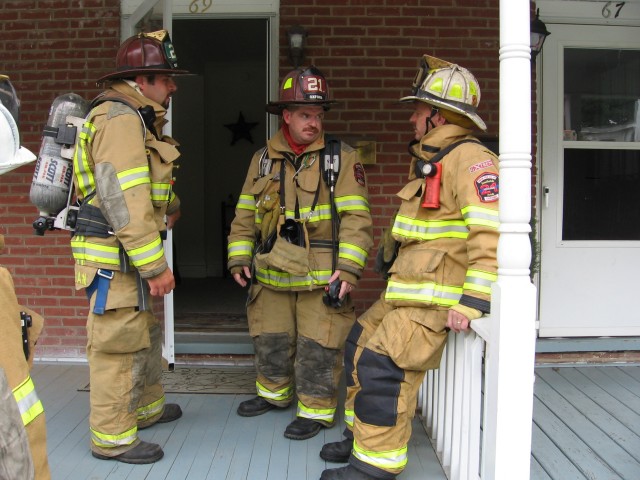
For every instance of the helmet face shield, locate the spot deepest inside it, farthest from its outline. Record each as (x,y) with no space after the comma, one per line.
(448,87)
(303,86)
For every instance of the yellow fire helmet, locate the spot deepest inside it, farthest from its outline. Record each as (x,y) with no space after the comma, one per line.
(449,87)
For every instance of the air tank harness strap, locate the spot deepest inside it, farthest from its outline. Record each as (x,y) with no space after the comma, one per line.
(101,284)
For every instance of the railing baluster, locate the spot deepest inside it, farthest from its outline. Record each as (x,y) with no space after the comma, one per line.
(451,403)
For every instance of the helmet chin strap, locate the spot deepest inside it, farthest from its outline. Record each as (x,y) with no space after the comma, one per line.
(429,120)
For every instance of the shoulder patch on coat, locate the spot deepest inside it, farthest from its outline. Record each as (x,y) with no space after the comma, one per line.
(481,166)
(119,109)
(358,174)
(487,187)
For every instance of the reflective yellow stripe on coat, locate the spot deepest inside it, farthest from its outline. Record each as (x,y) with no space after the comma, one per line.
(28,402)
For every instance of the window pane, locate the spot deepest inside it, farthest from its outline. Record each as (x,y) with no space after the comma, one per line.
(601,199)
(602,95)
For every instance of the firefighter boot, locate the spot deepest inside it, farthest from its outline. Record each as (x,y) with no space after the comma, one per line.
(346,473)
(172,411)
(302,428)
(254,407)
(142,453)
(337,452)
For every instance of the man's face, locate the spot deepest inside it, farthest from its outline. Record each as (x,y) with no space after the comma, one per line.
(160,90)
(305,123)
(422,111)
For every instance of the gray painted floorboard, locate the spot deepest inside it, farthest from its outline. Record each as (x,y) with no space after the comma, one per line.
(210,441)
(586,426)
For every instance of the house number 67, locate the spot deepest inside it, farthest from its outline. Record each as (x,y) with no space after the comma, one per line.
(606,11)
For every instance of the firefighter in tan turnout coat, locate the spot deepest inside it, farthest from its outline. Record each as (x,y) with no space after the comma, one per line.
(23,435)
(123,169)
(302,224)
(447,233)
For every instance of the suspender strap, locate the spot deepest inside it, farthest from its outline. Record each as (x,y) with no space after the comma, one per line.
(143,290)
(448,148)
(101,284)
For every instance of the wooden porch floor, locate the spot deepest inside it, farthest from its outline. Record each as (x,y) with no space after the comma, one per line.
(586,425)
(210,441)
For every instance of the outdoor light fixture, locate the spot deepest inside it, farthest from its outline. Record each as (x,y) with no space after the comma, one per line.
(297,38)
(538,33)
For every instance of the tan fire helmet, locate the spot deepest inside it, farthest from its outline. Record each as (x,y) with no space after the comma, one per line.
(449,87)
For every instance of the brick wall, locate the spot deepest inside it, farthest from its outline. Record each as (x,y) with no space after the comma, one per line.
(49,47)
(368,50)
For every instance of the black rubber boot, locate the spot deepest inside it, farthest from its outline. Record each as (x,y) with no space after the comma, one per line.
(345,473)
(302,428)
(254,407)
(337,452)
(142,453)
(172,412)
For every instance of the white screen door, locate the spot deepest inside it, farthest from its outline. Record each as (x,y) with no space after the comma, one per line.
(590,208)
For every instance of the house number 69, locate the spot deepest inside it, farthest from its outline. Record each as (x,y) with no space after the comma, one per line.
(606,11)
(195,5)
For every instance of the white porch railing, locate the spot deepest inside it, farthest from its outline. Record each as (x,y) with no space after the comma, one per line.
(451,401)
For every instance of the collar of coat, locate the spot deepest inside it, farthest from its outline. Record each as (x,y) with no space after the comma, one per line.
(279,147)
(126,89)
(434,141)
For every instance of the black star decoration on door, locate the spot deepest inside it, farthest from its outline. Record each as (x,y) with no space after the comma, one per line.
(241,129)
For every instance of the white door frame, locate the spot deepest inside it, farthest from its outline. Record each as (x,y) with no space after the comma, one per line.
(132,11)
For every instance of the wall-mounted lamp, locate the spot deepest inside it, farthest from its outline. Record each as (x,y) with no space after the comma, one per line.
(538,33)
(297,36)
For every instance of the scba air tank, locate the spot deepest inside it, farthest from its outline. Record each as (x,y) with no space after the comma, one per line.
(53,175)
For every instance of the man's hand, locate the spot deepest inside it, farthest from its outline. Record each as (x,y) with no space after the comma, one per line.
(172,219)
(162,284)
(240,280)
(345,287)
(457,321)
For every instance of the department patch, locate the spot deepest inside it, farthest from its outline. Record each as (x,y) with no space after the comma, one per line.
(487,187)
(358,174)
(480,166)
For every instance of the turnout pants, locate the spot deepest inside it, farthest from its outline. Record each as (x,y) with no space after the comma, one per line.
(388,352)
(31,416)
(299,342)
(124,351)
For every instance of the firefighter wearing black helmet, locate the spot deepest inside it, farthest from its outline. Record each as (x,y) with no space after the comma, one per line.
(445,235)
(302,225)
(123,177)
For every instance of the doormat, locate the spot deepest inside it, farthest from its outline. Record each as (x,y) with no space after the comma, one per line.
(210,322)
(209,380)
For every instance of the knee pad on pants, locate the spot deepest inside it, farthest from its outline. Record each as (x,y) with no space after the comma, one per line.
(377,401)
(350,352)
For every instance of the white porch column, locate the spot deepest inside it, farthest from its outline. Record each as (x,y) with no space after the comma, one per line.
(511,349)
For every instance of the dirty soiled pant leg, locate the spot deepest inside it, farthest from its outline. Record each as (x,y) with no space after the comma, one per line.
(322,332)
(390,368)
(15,456)
(152,400)
(118,348)
(272,326)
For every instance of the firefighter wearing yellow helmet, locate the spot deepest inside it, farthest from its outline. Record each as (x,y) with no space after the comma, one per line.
(123,176)
(23,436)
(300,236)
(446,236)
